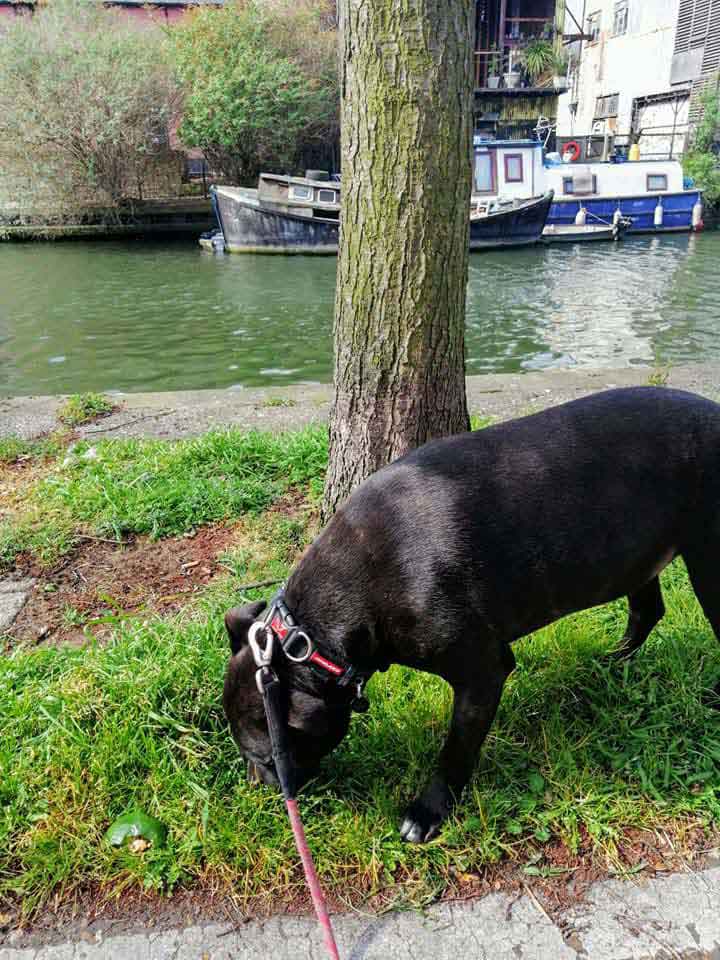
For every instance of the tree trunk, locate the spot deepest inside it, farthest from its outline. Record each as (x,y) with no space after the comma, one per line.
(402,269)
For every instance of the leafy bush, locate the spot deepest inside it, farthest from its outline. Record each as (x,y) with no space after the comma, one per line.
(700,162)
(260,82)
(85,105)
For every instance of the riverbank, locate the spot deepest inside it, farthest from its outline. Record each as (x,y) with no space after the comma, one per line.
(123,552)
(182,217)
(172,415)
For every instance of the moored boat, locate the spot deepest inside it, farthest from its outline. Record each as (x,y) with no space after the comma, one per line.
(515,224)
(283,215)
(651,194)
(302,215)
(582,233)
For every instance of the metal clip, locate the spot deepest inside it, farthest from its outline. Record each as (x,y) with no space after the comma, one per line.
(264,676)
(261,655)
(360,703)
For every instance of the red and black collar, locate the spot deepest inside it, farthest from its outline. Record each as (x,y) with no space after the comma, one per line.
(301,649)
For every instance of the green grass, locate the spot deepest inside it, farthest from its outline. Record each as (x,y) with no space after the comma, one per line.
(582,748)
(83,407)
(15,449)
(113,488)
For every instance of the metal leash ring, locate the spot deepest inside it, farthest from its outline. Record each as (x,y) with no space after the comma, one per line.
(298,647)
(262,655)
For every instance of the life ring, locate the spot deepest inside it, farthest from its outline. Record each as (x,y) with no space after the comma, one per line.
(573,149)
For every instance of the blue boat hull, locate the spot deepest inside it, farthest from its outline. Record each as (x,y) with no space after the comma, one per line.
(677,211)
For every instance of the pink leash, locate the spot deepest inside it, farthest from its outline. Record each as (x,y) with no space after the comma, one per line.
(312,878)
(269,686)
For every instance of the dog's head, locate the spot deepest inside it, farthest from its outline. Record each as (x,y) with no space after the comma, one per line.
(316,727)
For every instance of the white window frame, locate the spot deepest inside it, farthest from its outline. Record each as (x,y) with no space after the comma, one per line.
(607,106)
(621,11)
(321,191)
(295,195)
(594,25)
(653,176)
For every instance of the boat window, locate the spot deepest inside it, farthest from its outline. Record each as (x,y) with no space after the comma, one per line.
(514,168)
(484,172)
(593,26)
(300,193)
(621,18)
(657,181)
(581,186)
(326,196)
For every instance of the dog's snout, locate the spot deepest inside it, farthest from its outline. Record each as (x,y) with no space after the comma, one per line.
(253,773)
(261,773)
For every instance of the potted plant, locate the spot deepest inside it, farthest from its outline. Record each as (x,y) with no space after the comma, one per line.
(538,59)
(512,77)
(560,71)
(494,67)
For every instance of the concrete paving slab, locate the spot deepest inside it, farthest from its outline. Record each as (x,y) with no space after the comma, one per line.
(671,918)
(13,594)
(188,413)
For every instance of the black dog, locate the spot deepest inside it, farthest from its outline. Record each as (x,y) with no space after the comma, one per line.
(444,558)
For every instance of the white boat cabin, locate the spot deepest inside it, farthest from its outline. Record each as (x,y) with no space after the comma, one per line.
(301,196)
(513,169)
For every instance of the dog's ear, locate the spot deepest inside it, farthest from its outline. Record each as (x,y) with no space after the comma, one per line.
(307,713)
(238,622)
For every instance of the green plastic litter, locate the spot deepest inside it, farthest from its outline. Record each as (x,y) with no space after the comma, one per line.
(136,824)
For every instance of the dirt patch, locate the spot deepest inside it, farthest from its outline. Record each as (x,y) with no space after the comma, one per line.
(103,582)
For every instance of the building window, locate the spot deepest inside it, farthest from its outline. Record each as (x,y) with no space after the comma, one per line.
(606,106)
(484,172)
(300,193)
(657,182)
(581,191)
(514,168)
(326,196)
(593,26)
(620,22)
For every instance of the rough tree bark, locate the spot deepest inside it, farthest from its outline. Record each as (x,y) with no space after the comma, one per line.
(402,270)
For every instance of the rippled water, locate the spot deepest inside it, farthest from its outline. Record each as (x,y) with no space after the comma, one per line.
(137,316)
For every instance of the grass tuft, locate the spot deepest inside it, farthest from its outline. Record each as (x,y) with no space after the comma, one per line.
(83,407)
(17,450)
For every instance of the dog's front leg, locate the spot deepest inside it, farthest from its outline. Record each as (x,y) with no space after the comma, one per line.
(473,713)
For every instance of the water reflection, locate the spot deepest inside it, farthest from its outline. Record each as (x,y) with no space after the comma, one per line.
(135,316)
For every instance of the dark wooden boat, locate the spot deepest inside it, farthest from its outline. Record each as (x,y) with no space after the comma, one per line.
(284,215)
(515,224)
(302,215)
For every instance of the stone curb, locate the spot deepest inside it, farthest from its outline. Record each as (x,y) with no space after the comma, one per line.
(673,917)
(188,413)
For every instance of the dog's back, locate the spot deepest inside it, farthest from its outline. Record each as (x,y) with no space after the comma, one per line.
(521,523)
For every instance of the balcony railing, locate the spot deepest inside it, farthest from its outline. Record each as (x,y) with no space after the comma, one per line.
(519,30)
(503,58)
(493,72)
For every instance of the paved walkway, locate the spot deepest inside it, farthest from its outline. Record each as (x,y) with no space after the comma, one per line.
(191,412)
(676,917)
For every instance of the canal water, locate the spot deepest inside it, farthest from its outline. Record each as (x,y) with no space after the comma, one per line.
(139,316)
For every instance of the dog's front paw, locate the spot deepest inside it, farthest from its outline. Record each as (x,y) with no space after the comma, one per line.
(426,814)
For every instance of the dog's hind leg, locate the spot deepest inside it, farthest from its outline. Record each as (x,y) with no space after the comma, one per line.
(646,610)
(474,710)
(705,580)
